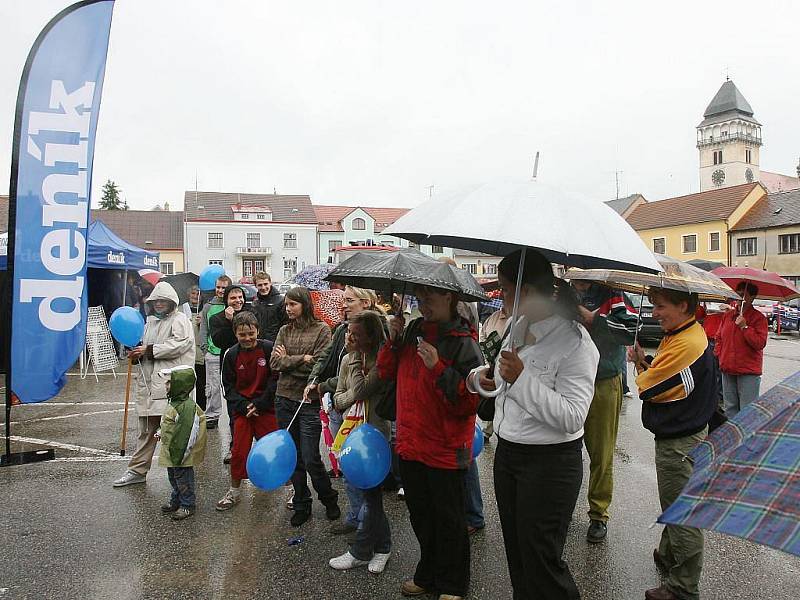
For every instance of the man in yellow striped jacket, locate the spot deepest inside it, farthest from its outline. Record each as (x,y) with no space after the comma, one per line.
(678,389)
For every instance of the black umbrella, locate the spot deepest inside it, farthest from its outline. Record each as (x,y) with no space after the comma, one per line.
(400,271)
(705,265)
(182,283)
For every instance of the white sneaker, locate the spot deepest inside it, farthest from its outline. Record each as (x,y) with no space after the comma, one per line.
(378,563)
(129,478)
(401,494)
(628,394)
(347,561)
(229,500)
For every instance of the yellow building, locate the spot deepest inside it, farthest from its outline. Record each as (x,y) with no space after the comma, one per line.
(697,225)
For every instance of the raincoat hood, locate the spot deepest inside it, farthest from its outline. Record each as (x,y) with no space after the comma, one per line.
(181,383)
(163,291)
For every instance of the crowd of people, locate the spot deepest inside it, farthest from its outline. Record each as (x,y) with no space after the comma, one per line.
(545,388)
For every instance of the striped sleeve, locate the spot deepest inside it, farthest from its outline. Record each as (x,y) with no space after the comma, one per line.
(671,376)
(620,318)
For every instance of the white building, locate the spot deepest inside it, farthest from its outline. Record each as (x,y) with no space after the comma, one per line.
(362,226)
(479,264)
(247,233)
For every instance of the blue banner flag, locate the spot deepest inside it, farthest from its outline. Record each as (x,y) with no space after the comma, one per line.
(51,176)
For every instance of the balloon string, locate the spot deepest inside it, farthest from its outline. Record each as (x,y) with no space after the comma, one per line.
(289,426)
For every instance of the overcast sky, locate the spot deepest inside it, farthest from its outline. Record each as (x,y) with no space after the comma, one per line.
(371,102)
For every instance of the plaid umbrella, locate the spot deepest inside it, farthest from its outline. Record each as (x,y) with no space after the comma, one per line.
(674,275)
(746,479)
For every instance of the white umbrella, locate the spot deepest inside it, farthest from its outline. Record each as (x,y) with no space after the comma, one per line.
(499,218)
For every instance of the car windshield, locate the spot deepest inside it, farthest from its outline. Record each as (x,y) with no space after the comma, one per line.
(635,300)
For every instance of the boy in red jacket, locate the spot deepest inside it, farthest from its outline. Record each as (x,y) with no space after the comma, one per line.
(249,389)
(741,338)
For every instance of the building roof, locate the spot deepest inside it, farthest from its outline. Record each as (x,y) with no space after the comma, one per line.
(712,205)
(773,210)
(216,206)
(162,228)
(620,205)
(728,98)
(329,218)
(776,182)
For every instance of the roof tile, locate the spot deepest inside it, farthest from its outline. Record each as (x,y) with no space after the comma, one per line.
(216,206)
(711,205)
(774,210)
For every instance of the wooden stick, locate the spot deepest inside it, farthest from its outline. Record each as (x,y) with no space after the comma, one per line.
(125,417)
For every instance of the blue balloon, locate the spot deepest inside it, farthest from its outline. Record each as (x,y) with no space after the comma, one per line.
(365,457)
(272,460)
(127,326)
(477,441)
(209,276)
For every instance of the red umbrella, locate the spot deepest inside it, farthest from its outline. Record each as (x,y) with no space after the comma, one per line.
(771,286)
(150,276)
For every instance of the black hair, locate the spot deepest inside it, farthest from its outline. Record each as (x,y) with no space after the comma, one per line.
(675,297)
(751,288)
(303,296)
(537,274)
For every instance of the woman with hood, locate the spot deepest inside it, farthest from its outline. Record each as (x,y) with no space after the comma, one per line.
(168,341)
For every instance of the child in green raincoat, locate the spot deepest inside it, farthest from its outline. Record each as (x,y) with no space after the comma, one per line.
(183,441)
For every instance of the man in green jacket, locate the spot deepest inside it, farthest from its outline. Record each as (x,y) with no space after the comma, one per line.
(612,324)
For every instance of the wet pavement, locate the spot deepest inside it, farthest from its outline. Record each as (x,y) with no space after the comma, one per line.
(66,533)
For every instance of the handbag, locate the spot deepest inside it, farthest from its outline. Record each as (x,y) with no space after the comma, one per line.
(353,418)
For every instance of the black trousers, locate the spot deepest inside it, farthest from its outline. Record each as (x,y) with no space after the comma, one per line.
(536,489)
(435,500)
(200,386)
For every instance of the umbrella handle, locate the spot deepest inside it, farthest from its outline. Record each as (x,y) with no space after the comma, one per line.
(483,392)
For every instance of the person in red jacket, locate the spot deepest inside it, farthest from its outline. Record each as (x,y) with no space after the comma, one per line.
(430,361)
(741,338)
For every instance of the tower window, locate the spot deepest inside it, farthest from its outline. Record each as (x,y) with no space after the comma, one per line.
(748,156)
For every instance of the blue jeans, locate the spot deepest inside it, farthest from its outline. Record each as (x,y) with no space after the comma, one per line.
(182,481)
(473,500)
(374,536)
(305,432)
(738,391)
(355,510)
(336,419)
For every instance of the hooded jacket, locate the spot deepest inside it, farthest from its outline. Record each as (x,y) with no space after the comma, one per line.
(169,342)
(221,329)
(271,313)
(183,425)
(435,411)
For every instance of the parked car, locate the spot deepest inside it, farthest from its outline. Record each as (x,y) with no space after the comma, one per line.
(650,329)
(766,308)
(788,314)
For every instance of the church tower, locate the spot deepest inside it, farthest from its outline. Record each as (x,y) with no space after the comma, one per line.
(729,139)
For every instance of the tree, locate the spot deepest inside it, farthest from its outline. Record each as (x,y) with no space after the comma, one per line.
(111,197)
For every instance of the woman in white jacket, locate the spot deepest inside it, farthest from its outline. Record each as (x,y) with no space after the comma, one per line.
(549,369)
(168,341)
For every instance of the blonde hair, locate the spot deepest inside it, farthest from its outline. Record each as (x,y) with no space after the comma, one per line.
(365,294)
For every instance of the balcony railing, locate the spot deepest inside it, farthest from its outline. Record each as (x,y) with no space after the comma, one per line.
(731,137)
(250,250)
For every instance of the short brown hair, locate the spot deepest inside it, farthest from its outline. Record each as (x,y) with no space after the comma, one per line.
(262,275)
(228,281)
(675,297)
(244,319)
(372,323)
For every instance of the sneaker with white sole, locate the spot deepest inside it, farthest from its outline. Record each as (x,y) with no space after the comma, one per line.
(346,561)
(401,494)
(229,500)
(129,478)
(378,562)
